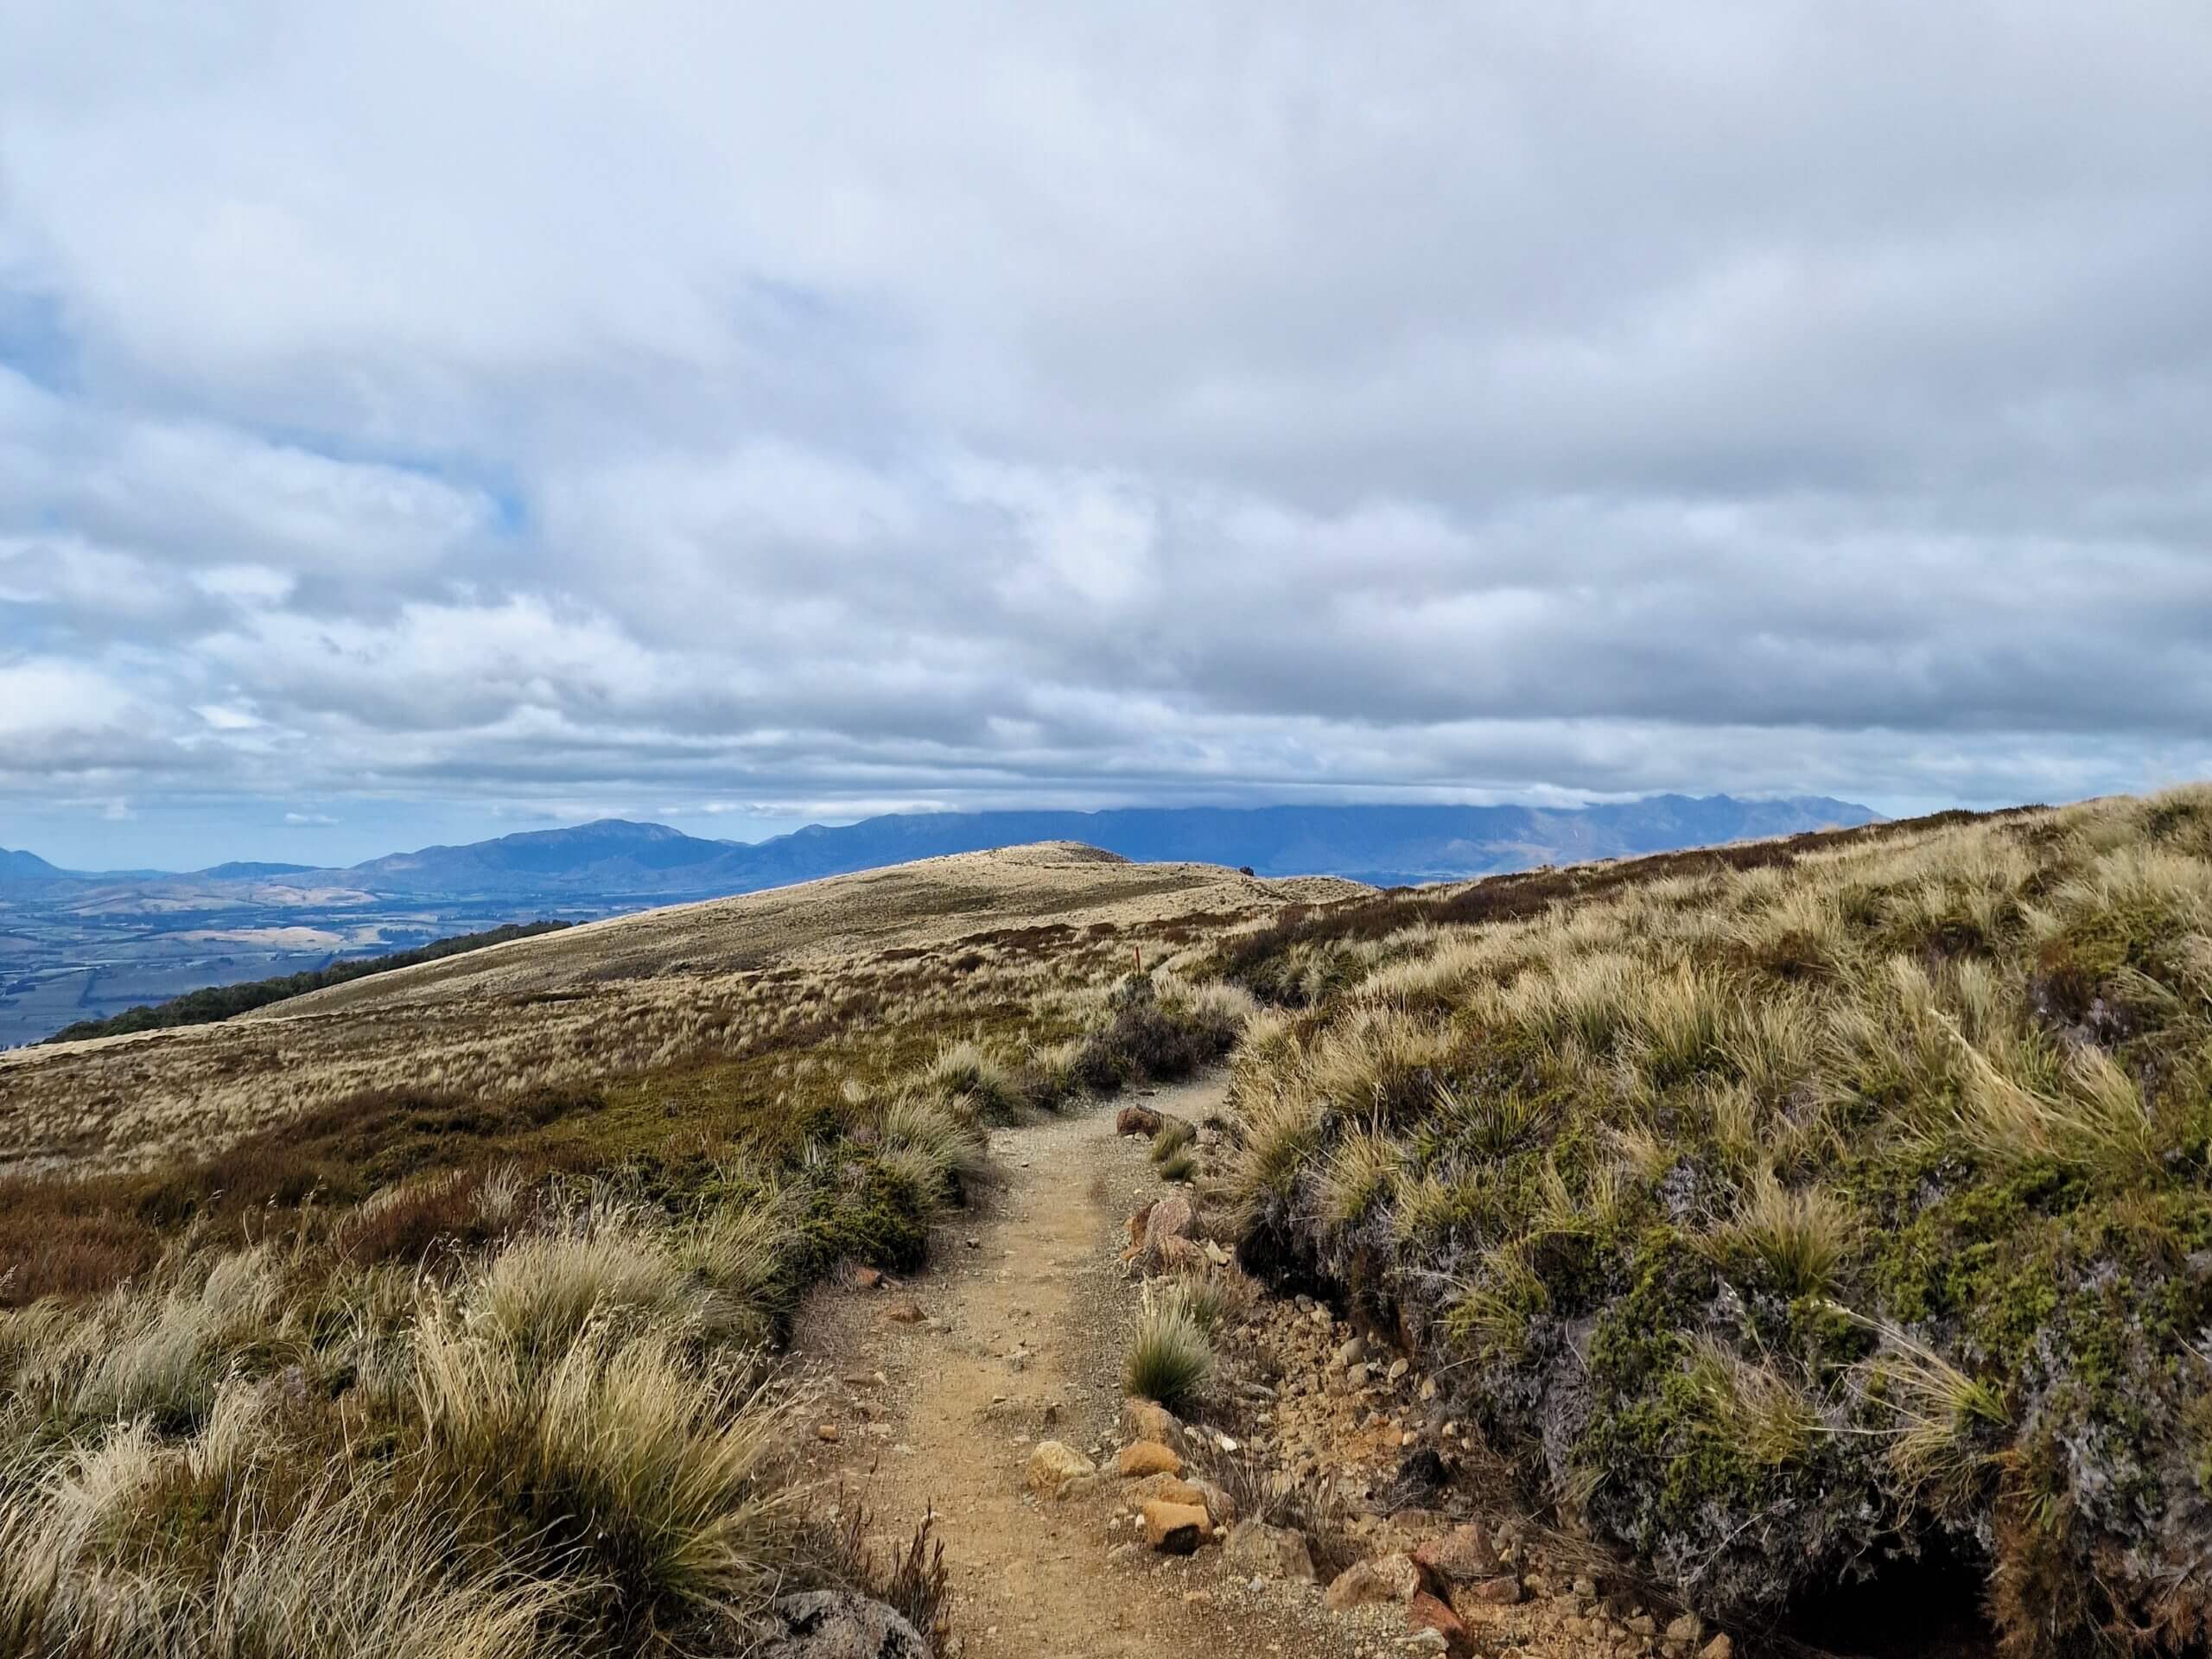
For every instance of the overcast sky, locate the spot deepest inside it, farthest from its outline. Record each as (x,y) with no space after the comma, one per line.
(424,420)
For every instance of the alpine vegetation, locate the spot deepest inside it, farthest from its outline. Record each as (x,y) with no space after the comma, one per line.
(1788,1216)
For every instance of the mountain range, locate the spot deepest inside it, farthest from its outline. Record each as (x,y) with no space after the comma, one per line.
(1381,844)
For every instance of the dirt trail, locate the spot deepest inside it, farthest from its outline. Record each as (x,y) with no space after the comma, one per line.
(1025,1324)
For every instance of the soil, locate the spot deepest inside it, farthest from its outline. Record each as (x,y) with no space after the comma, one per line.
(1022,1340)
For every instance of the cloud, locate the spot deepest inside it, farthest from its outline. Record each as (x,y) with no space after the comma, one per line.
(816,410)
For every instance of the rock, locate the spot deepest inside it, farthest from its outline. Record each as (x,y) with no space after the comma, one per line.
(1256,1550)
(1719,1648)
(838,1624)
(1173,1489)
(1147,1420)
(1174,1529)
(904,1313)
(1398,1368)
(1053,1464)
(1219,1504)
(1687,1631)
(1380,1578)
(1137,1220)
(1136,1120)
(1460,1556)
(1425,1613)
(1147,1457)
(1171,1217)
(1355,1376)
(1352,1352)
(828,1433)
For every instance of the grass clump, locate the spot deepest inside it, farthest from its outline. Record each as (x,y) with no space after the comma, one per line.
(1171,1358)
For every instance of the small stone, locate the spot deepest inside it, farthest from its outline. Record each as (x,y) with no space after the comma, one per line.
(1427,1613)
(1380,1578)
(1266,1552)
(1428,1388)
(1136,1120)
(1687,1631)
(1147,1457)
(1399,1368)
(1355,1377)
(827,1433)
(1719,1648)
(1174,1529)
(974,1243)
(1145,1420)
(1351,1353)
(1054,1466)
(821,1623)
(1502,1590)
(905,1314)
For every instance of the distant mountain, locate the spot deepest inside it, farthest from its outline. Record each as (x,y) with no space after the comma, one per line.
(1383,844)
(245,870)
(27,866)
(610,855)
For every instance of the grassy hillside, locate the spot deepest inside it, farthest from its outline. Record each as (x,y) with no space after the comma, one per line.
(439,1368)
(214,1002)
(1791,1213)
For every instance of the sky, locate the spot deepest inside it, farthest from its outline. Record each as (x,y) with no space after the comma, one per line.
(423,421)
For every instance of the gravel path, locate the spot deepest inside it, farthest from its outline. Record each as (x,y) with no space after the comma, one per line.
(1026,1317)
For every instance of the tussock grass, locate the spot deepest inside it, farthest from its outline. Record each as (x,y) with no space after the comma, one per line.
(1854,1182)
(1173,1136)
(1171,1360)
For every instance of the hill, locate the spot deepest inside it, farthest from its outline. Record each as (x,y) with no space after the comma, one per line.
(604,998)
(27,868)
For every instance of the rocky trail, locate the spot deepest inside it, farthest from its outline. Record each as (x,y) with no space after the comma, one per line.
(934,1395)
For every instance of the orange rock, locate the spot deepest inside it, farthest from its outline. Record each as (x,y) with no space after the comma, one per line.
(1425,1613)
(1174,1529)
(1147,1457)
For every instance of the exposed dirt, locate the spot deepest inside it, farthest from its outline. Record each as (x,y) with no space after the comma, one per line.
(1022,1340)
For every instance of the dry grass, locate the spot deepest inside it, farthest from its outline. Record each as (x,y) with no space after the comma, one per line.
(463,1348)
(681,988)
(1625,1142)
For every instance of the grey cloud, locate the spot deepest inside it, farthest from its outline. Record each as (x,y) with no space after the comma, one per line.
(1081,403)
